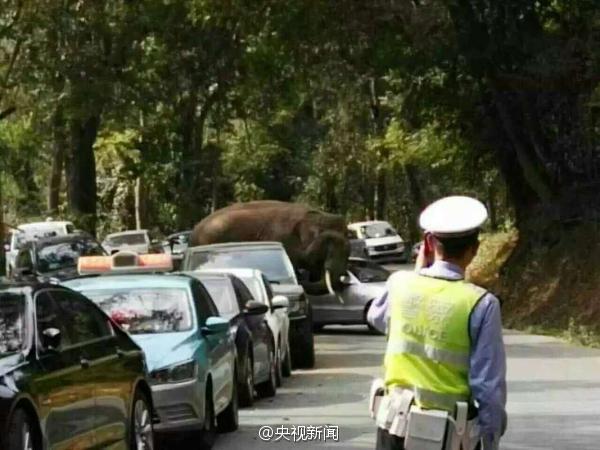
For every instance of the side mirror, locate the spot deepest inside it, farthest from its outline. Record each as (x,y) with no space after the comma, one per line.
(254,308)
(279,302)
(215,325)
(51,338)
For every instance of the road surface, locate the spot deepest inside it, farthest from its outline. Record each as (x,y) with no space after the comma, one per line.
(554,395)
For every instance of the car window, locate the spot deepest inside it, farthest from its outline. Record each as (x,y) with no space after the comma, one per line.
(24,258)
(82,319)
(352,234)
(128,239)
(205,304)
(12,322)
(368,272)
(268,287)
(70,228)
(64,255)
(224,296)
(242,293)
(146,310)
(254,286)
(377,230)
(49,315)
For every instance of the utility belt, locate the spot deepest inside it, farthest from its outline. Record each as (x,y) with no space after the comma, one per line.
(422,429)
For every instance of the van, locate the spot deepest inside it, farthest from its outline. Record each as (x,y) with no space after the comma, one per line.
(382,241)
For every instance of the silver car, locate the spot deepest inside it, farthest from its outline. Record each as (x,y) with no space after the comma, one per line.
(364,282)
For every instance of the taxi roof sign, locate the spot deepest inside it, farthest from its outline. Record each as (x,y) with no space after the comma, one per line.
(124,262)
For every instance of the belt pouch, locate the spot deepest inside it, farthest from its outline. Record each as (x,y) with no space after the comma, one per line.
(426,429)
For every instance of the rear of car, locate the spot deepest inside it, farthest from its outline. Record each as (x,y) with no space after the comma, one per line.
(55,258)
(271,259)
(189,351)
(382,241)
(133,240)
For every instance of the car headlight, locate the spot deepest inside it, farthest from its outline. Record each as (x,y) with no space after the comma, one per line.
(175,374)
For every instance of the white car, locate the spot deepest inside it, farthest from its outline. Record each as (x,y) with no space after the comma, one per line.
(277,316)
(31,232)
(132,240)
(382,241)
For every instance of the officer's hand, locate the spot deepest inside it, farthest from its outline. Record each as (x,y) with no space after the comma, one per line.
(426,256)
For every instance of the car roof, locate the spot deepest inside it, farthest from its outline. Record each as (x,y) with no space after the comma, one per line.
(367,222)
(179,233)
(49,224)
(124,233)
(28,286)
(63,238)
(121,281)
(254,245)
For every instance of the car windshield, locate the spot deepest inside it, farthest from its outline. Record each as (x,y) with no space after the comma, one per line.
(270,261)
(145,310)
(368,272)
(64,255)
(12,323)
(377,230)
(127,239)
(222,294)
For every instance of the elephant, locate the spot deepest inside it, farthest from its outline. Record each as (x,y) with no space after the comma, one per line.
(314,240)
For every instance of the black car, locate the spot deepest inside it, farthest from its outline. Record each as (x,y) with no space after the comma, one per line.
(253,338)
(55,257)
(69,377)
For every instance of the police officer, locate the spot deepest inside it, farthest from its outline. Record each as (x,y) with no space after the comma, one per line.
(445,334)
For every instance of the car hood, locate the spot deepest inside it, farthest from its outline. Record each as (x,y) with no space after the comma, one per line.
(165,349)
(372,242)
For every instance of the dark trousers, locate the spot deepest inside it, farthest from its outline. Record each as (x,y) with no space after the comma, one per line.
(387,441)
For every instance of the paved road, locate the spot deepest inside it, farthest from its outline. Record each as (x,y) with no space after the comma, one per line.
(554,395)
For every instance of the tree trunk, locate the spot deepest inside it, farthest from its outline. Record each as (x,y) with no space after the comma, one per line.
(139,223)
(418,200)
(60,144)
(81,177)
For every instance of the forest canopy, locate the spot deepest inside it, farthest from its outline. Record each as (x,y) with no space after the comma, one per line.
(368,109)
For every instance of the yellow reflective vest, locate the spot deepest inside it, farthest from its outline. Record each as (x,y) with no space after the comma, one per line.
(428,338)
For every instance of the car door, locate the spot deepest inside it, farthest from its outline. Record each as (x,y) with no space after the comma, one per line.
(222,360)
(258,329)
(109,379)
(65,398)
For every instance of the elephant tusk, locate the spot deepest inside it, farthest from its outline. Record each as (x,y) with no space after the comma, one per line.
(330,287)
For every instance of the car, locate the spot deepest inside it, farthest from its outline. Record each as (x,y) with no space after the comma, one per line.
(138,241)
(190,353)
(253,338)
(55,257)
(382,241)
(273,261)
(277,316)
(177,243)
(364,282)
(32,231)
(69,376)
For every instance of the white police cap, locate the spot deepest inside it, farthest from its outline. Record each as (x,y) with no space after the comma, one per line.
(453,216)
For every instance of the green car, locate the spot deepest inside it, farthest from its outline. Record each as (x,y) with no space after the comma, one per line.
(190,352)
(69,376)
